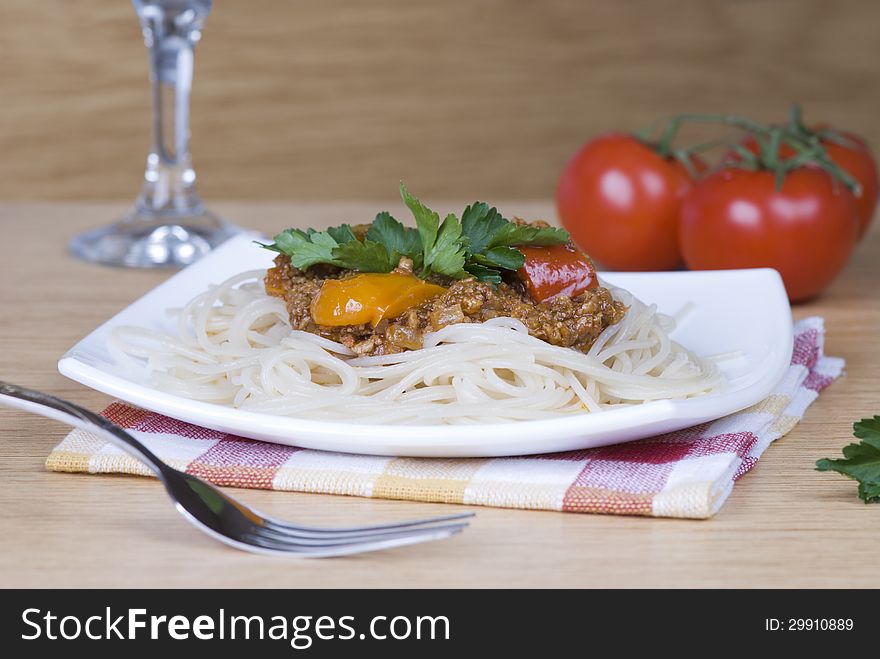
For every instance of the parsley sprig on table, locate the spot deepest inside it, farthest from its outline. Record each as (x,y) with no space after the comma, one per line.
(860,461)
(481,243)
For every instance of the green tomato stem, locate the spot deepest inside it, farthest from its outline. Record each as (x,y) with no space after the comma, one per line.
(806,145)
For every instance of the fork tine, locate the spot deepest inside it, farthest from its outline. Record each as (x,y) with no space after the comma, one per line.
(261,544)
(327,541)
(265,545)
(317,531)
(278,527)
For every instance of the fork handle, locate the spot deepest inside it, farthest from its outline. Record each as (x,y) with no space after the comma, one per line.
(62,410)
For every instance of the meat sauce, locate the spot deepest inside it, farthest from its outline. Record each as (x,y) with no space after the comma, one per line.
(555,295)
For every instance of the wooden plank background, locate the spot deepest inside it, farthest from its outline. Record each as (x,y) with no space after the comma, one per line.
(339,99)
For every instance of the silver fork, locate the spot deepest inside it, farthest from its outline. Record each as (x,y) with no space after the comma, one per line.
(222,517)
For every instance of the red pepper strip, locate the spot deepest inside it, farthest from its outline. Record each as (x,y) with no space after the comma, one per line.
(556,270)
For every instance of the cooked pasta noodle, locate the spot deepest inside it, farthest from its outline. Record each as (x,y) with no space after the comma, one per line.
(234,346)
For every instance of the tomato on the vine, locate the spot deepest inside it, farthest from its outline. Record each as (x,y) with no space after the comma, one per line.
(620,201)
(737,218)
(853,155)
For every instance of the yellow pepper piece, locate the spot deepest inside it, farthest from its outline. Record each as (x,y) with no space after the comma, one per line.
(369,298)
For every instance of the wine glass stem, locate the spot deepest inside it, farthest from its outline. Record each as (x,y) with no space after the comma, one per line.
(169,225)
(169,179)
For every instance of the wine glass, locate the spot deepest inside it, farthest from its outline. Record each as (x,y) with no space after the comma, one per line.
(169,225)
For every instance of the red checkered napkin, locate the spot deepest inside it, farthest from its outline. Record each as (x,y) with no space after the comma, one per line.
(688,473)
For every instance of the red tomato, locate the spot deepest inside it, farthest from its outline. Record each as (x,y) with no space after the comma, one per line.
(556,270)
(856,160)
(620,200)
(736,218)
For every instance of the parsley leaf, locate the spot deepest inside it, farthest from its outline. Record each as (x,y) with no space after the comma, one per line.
(336,246)
(427,221)
(396,237)
(342,234)
(305,249)
(324,238)
(448,254)
(860,461)
(480,224)
(520,234)
(484,274)
(481,244)
(492,241)
(443,247)
(501,257)
(366,256)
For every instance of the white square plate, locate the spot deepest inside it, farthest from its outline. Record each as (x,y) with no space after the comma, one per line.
(743,311)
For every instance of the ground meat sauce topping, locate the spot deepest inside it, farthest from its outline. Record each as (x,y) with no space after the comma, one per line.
(561,320)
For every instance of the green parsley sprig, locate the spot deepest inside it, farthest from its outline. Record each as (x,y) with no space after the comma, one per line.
(861,461)
(481,243)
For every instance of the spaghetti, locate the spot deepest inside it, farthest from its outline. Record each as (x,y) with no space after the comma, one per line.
(234,346)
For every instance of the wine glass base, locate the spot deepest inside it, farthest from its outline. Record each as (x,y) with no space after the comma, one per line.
(153,241)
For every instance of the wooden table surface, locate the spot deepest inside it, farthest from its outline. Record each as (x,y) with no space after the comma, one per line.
(784,525)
